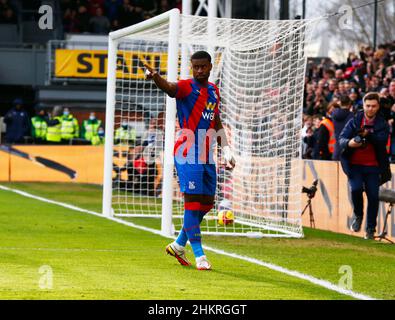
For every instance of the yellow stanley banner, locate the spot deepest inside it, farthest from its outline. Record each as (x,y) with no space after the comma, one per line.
(93,63)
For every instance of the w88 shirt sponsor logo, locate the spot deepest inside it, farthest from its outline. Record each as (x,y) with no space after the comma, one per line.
(208,113)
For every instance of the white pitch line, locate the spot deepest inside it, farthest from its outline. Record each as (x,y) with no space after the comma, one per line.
(65,249)
(71,207)
(296,274)
(319,282)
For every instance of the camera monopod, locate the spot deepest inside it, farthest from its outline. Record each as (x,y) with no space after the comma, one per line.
(310,195)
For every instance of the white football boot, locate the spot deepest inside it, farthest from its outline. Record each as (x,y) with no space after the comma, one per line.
(177,251)
(202,263)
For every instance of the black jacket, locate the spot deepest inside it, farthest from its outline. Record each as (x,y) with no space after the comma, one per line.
(323,137)
(378,138)
(18,125)
(340,117)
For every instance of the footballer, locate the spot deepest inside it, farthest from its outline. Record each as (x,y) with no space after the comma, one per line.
(198,115)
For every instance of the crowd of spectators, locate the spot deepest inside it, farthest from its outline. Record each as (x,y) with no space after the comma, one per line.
(94,16)
(103,16)
(335,92)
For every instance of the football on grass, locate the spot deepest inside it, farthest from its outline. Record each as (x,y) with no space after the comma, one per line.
(225,217)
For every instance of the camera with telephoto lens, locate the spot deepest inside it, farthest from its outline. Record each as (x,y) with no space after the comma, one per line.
(361,139)
(312,190)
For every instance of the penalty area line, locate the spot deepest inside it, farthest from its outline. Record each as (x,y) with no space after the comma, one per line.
(296,274)
(75,208)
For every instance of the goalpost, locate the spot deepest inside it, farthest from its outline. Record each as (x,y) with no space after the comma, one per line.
(259,67)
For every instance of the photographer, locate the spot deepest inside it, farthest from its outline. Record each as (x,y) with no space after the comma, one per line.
(365,161)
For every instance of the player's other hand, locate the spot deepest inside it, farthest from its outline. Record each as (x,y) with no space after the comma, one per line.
(149,71)
(230,161)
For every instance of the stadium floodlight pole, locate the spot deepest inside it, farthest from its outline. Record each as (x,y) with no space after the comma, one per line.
(228,9)
(186,10)
(375,26)
(211,31)
(170,123)
(284,9)
(187,7)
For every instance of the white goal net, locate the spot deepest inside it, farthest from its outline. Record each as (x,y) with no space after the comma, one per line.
(259,67)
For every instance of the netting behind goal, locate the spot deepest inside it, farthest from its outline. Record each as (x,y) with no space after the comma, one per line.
(259,67)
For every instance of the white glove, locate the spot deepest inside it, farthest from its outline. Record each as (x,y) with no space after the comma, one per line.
(228,156)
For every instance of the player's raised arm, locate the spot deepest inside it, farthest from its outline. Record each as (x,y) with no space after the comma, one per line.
(169,87)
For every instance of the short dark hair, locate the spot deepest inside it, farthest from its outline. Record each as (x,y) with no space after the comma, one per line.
(345,101)
(330,72)
(201,55)
(371,96)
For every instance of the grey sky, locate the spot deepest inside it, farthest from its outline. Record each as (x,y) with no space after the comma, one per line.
(326,42)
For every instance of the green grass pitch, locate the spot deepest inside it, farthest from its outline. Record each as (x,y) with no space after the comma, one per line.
(94,258)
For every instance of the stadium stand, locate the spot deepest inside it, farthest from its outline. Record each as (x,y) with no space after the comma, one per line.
(76,25)
(28,53)
(327,82)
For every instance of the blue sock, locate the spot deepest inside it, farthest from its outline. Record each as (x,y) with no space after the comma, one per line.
(192,219)
(182,238)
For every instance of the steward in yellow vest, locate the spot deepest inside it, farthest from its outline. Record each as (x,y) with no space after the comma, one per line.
(39,126)
(54,126)
(99,138)
(125,135)
(69,127)
(90,129)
